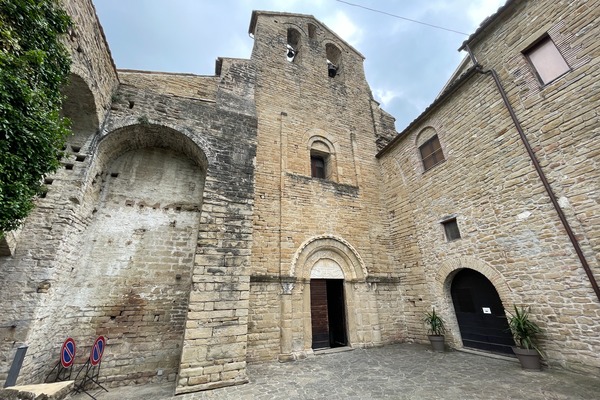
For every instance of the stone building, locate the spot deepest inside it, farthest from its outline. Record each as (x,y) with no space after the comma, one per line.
(462,188)
(272,210)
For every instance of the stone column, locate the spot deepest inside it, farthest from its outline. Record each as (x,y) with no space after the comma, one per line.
(286,323)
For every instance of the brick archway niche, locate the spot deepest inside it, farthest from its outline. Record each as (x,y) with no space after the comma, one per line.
(134,268)
(326,257)
(443,297)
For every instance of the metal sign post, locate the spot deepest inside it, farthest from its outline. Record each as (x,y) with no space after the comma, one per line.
(63,367)
(92,368)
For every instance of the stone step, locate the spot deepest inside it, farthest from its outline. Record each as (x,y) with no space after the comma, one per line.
(45,391)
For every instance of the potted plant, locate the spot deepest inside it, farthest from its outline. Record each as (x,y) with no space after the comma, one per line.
(436,330)
(524,330)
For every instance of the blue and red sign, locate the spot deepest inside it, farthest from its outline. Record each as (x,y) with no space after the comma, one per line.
(97,350)
(67,353)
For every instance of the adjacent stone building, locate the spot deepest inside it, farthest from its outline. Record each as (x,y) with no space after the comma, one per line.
(272,210)
(479,213)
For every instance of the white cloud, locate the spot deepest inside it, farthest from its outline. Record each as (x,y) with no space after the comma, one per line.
(385,96)
(341,24)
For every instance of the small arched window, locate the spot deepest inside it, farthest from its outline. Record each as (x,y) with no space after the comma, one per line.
(334,59)
(321,161)
(293,44)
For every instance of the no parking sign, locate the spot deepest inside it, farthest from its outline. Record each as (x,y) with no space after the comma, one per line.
(67,353)
(97,350)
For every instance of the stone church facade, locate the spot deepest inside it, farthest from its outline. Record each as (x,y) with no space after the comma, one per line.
(272,210)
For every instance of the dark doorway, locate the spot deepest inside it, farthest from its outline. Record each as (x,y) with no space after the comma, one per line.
(327,313)
(480,314)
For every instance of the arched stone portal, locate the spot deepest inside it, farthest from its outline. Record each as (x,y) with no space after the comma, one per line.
(330,259)
(495,286)
(480,313)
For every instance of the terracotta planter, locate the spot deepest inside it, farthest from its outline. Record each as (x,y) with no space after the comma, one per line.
(529,358)
(437,342)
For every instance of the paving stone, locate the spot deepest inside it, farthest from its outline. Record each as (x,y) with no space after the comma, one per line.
(402,371)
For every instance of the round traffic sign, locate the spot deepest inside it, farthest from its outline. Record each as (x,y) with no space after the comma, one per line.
(67,353)
(97,350)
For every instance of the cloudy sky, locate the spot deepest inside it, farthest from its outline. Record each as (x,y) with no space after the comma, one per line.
(406,63)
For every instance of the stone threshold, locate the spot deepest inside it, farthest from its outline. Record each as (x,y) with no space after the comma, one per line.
(488,354)
(331,350)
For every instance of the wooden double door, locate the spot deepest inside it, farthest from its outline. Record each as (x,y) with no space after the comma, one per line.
(480,314)
(328,313)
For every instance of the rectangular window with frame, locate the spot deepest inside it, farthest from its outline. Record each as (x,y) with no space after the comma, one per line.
(546,60)
(451,229)
(431,153)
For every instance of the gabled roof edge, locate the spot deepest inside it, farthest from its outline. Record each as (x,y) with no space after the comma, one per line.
(451,89)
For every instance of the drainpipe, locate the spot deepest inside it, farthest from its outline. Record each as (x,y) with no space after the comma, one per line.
(538,168)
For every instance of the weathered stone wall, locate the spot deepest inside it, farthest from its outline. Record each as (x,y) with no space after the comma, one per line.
(90,54)
(29,271)
(133,276)
(148,241)
(264,320)
(510,231)
(562,123)
(181,85)
(214,346)
(298,104)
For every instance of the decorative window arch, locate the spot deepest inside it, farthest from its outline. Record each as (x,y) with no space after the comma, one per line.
(323,163)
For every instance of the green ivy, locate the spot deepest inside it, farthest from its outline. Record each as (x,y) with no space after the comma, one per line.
(34,65)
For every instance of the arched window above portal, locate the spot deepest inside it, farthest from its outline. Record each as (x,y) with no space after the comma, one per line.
(322,159)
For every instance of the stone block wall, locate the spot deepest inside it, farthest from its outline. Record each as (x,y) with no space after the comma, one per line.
(562,123)
(560,119)
(264,320)
(30,269)
(299,104)
(90,54)
(151,245)
(509,230)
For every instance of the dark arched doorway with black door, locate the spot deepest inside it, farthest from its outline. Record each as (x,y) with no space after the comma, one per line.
(480,314)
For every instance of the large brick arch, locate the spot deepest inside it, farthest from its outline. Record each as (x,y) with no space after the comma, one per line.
(144,203)
(449,268)
(131,134)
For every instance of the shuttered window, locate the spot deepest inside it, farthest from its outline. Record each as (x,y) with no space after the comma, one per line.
(431,153)
(547,61)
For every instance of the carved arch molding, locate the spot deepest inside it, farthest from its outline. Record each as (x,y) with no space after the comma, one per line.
(332,248)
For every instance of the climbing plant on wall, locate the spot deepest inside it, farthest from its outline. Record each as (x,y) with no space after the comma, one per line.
(34,65)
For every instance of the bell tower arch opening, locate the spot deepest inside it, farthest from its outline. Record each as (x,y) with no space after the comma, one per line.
(334,59)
